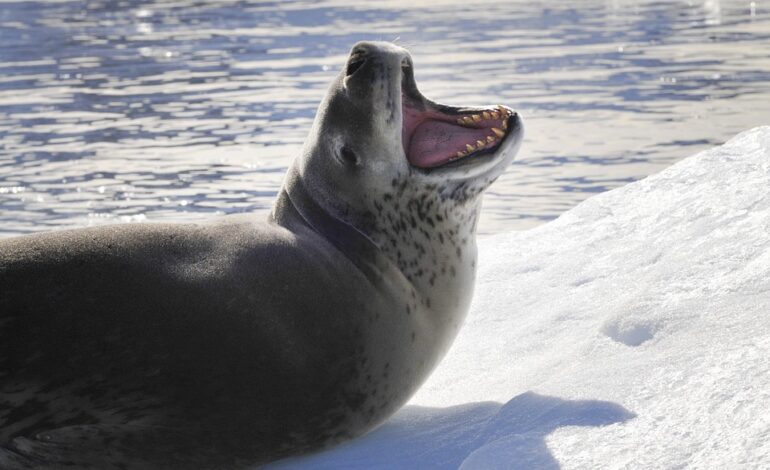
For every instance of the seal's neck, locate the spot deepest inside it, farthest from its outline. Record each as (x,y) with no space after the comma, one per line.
(421,239)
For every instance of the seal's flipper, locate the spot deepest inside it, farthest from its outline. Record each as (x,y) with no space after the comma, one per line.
(111,447)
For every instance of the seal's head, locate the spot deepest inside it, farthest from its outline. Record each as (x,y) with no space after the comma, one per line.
(375,129)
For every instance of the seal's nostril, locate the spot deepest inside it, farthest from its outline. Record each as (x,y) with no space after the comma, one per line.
(356,60)
(354,65)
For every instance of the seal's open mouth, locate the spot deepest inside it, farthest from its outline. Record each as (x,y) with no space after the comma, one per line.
(434,135)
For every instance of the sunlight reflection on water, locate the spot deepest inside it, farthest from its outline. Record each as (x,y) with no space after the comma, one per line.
(127,110)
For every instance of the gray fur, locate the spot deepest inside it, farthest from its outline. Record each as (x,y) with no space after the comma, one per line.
(238,342)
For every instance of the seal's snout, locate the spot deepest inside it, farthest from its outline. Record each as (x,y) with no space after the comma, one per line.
(375,54)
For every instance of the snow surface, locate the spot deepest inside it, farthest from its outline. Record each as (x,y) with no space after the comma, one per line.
(632,332)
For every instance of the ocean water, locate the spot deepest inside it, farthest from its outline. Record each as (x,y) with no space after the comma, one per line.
(116,111)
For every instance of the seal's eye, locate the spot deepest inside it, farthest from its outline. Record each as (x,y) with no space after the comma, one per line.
(348,157)
(355,62)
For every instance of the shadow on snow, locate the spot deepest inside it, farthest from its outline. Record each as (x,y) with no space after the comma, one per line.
(475,435)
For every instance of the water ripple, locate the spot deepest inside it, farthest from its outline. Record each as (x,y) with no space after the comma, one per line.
(127,110)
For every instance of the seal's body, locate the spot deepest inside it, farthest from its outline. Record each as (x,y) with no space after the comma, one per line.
(237,342)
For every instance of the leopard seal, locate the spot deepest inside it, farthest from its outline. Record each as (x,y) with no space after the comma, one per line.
(237,342)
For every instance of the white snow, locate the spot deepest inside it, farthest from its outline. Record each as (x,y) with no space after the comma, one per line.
(632,332)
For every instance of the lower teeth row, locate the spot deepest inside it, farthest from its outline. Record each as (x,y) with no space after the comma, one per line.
(490,139)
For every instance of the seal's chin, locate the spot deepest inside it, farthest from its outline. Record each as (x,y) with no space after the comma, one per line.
(435,135)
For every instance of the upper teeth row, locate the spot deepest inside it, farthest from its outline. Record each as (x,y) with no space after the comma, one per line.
(500,112)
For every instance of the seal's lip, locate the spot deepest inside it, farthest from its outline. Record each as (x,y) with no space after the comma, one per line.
(440,136)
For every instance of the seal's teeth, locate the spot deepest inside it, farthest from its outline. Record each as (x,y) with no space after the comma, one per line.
(490,139)
(480,144)
(495,115)
(498,132)
(486,115)
(502,109)
(476,118)
(505,124)
(461,154)
(460,121)
(467,120)
(469,148)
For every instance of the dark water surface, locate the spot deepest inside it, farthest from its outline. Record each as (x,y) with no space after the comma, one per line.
(129,110)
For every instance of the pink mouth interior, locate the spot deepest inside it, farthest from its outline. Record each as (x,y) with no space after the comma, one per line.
(432,138)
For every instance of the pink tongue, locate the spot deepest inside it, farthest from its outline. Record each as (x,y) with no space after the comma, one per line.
(435,142)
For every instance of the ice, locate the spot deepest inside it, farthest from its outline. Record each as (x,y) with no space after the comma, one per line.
(632,332)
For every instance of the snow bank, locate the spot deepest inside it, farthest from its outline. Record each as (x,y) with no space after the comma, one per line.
(632,332)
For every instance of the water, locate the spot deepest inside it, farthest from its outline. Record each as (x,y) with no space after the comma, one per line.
(128,110)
